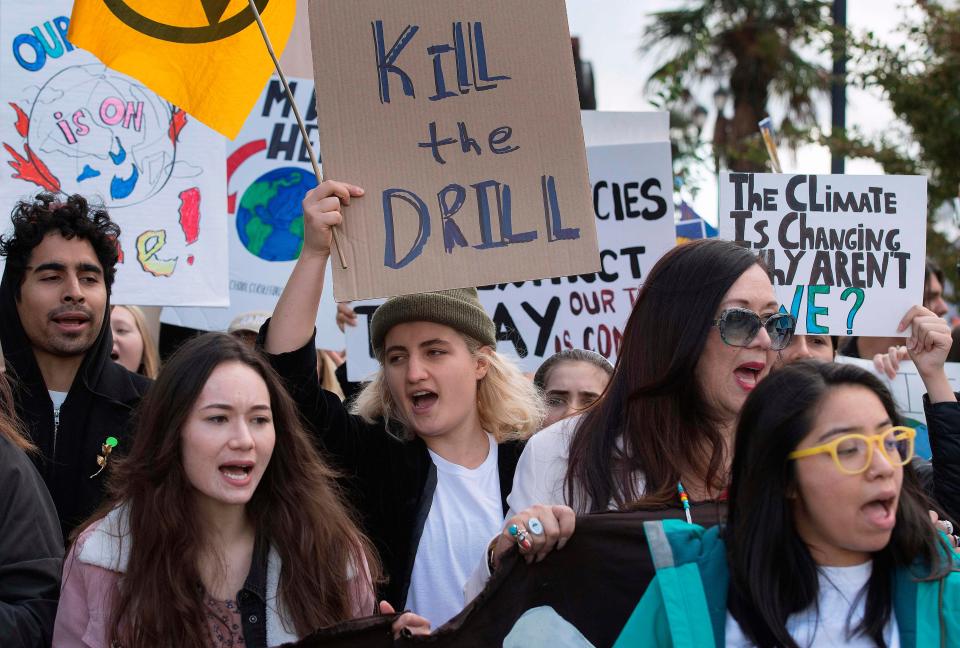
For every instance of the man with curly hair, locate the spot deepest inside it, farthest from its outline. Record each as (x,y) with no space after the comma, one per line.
(75,402)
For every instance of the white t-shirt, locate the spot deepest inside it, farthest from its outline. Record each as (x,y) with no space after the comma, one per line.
(839,588)
(539,479)
(466,512)
(58,398)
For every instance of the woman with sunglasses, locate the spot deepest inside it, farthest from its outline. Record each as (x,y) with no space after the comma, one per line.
(693,349)
(835,548)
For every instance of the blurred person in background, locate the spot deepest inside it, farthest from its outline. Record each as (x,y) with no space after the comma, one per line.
(571,381)
(133,346)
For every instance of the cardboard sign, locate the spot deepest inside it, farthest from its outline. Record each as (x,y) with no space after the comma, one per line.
(847,252)
(460,119)
(268,174)
(633,207)
(68,124)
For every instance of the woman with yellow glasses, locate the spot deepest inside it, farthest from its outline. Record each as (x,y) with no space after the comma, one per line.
(828,540)
(853,453)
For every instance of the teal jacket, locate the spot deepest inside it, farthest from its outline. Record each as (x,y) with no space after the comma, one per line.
(685,605)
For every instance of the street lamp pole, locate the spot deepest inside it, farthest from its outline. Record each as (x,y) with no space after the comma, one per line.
(838,88)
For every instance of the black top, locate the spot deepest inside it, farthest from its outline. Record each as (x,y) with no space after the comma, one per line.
(252,599)
(31,553)
(389,479)
(99,405)
(943,428)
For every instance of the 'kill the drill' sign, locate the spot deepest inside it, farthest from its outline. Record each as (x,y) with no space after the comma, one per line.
(460,119)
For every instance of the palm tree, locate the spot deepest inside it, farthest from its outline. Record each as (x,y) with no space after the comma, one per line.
(757,48)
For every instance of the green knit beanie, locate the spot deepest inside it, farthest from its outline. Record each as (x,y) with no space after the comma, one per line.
(459,309)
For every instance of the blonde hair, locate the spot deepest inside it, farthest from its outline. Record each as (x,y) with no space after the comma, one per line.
(509,405)
(150,360)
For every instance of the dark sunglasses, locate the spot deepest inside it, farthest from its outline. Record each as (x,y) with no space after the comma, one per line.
(738,327)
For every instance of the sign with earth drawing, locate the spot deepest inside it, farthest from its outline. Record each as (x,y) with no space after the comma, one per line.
(268,174)
(70,125)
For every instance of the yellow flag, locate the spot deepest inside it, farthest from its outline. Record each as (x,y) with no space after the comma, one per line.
(205,56)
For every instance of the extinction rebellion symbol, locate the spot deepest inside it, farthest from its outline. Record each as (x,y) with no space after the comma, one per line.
(217,29)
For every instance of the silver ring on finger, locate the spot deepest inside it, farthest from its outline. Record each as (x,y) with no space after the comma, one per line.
(947,526)
(536,527)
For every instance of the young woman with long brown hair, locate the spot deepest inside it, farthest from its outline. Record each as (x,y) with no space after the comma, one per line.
(223,524)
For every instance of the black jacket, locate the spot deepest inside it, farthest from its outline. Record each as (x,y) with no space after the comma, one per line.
(99,404)
(943,427)
(389,480)
(31,553)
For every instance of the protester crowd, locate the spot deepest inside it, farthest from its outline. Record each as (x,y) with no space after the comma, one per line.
(240,494)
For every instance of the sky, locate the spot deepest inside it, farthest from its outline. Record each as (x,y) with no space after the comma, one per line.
(610,34)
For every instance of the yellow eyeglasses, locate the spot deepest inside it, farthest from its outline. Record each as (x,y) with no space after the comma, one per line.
(853,452)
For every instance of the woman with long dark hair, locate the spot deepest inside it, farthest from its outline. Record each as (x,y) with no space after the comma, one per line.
(223,525)
(693,348)
(828,539)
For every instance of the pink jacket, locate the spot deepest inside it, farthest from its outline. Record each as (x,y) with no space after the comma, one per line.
(97,561)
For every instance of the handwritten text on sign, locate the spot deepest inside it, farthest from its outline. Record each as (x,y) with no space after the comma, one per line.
(846,252)
(535,319)
(442,124)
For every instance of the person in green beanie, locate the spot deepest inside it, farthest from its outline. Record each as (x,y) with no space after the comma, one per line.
(430,448)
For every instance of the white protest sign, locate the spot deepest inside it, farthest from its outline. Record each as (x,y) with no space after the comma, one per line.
(907,388)
(607,128)
(908,391)
(68,124)
(268,175)
(847,252)
(633,208)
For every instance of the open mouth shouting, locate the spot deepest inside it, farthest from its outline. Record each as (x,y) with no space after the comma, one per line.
(748,375)
(423,401)
(881,512)
(237,473)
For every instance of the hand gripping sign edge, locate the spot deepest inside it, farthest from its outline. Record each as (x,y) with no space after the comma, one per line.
(218,30)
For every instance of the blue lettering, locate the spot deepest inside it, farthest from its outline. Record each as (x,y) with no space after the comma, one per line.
(481,61)
(434,144)
(551,212)
(814,311)
(500,136)
(452,234)
(436,51)
(40,56)
(62,23)
(386,61)
(483,206)
(54,48)
(389,245)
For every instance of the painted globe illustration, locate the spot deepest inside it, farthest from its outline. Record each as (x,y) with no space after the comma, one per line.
(270,219)
(102,134)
